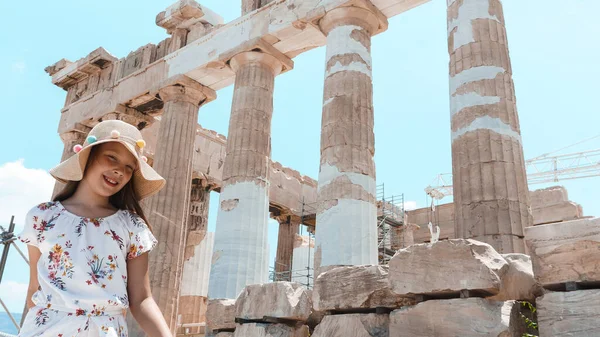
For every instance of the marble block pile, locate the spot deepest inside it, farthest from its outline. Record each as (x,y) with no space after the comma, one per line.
(566,262)
(279,309)
(450,288)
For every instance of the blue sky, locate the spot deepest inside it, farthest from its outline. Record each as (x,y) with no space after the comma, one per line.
(553,46)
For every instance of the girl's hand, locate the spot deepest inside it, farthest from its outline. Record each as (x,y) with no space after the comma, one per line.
(141,304)
(34,284)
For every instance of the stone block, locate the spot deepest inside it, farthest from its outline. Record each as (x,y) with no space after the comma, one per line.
(447,267)
(353,325)
(564,211)
(220,334)
(458,317)
(269,330)
(518,282)
(356,287)
(548,196)
(575,313)
(220,314)
(565,251)
(283,300)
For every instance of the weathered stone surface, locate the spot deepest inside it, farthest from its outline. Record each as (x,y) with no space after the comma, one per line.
(575,313)
(220,334)
(286,300)
(356,287)
(518,282)
(269,330)
(458,317)
(565,251)
(447,267)
(564,211)
(354,325)
(220,314)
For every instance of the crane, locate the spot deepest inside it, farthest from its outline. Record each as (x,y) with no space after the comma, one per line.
(541,169)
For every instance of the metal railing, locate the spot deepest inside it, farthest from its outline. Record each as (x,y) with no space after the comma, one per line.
(8,239)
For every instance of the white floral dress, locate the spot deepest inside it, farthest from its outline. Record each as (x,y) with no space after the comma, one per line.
(82,271)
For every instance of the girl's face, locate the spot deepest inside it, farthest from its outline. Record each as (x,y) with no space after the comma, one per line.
(109,169)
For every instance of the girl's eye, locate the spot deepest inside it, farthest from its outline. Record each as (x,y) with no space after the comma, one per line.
(112,158)
(129,169)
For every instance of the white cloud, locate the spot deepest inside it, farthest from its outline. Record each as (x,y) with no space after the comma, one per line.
(13,294)
(410,205)
(21,188)
(19,67)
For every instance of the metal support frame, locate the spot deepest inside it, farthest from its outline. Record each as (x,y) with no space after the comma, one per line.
(8,239)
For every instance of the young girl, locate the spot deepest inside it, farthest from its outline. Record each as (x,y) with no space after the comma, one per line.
(87,248)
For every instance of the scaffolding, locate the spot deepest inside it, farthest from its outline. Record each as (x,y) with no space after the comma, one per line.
(303,274)
(7,239)
(390,222)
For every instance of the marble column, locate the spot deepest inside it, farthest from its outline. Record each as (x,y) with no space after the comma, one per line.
(196,268)
(241,244)
(491,196)
(250,5)
(288,229)
(346,230)
(70,139)
(168,210)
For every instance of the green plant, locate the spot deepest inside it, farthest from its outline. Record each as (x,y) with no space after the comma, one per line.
(529,322)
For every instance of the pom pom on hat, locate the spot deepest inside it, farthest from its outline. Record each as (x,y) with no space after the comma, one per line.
(77,148)
(91,139)
(140,143)
(115,134)
(144,158)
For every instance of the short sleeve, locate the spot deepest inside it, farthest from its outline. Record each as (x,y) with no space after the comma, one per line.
(30,233)
(141,239)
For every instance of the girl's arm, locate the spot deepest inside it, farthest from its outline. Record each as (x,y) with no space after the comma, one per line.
(34,284)
(141,304)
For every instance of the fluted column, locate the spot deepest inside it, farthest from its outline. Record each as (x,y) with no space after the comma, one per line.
(491,197)
(70,139)
(196,267)
(168,210)
(241,246)
(288,230)
(346,230)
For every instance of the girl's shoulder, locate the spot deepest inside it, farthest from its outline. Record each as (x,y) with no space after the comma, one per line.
(45,208)
(133,220)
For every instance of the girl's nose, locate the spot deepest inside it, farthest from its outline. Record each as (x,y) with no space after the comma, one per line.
(117,171)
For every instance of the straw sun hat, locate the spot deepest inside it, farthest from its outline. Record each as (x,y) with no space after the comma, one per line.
(146,181)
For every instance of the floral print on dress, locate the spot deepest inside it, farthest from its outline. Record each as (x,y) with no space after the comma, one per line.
(84,222)
(101,268)
(60,266)
(83,270)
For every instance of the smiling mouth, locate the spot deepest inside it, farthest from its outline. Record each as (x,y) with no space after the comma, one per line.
(110,181)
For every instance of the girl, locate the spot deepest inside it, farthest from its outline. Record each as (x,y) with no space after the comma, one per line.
(87,248)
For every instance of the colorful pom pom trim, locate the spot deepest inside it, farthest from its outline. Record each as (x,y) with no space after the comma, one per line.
(77,148)
(115,134)
(145,159)
(91,139)
(140,143)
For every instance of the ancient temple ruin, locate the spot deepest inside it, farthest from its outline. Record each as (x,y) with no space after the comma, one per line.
(217,283)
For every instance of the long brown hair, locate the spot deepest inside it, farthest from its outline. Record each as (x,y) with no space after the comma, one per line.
(125,199)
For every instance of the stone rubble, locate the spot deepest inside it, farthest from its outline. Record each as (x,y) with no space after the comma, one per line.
(369,287)
(282,300)
(432,268)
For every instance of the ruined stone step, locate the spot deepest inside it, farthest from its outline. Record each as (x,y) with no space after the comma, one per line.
(274,302)
(459,317)
(565,252)
(444,269)
(270,330)
(353,325)
(220,315)
(356,289)
(575,313)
